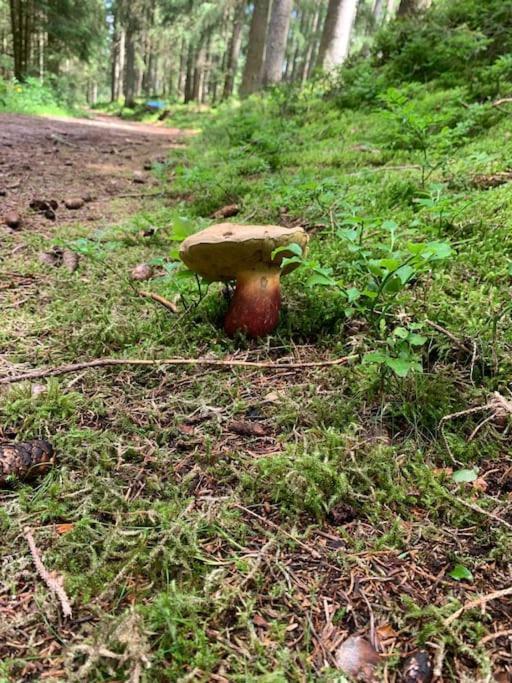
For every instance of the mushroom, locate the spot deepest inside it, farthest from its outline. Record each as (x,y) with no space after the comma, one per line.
(228,251)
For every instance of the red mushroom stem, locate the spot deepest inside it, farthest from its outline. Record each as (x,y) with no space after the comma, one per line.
(256,303)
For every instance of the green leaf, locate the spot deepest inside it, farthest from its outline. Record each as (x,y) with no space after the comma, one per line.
(401,366)
(389,264)
(181,229)
(320,279)
(292,248)
(461,572)
(374,357)
(353,294)
(347,234)
(393,285)
(464,476)
(293,259)
(416,339)
(401,332)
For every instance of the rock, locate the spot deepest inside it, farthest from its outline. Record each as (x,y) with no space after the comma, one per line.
(139,177)
(13,220)
(25,460)
(417,668)
(148,165)
(70,260)
(68,163)
(358,658)
(142,272)
(74,203)
(88,198)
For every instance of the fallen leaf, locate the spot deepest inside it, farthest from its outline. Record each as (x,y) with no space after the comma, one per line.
(258,620)
(358,658)
(245,428)
(65,527)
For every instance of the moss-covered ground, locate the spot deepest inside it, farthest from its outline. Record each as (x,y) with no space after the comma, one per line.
(216,524)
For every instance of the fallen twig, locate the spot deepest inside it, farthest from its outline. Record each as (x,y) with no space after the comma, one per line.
(51,579)
(478,602)
(451,336)
(481,511)
(502,100)
(314,553)
(171,306)
(230,363)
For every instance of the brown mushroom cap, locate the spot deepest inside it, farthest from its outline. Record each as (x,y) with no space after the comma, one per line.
(222,251)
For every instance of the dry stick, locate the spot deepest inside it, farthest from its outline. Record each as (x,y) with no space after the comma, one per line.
(481,511)
(51,579)
(478,602)
(161,300)
(448,334)
(105,362)
(314,553)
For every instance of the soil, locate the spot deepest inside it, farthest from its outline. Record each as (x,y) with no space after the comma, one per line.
(95,159)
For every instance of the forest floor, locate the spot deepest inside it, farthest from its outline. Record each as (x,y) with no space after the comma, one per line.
(221,524)
(99,158)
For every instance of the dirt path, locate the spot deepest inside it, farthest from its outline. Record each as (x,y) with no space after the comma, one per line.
(55,159)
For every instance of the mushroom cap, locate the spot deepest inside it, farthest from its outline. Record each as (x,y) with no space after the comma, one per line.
(222,251)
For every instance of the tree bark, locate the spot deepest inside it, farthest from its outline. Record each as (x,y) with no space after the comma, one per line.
(233,52)
(21,14)
(251,80)
(408,8)
(130,74)
(309,58)
(335,43)
(189,78)
(277,35)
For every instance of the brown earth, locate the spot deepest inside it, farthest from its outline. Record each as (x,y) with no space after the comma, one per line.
(92,159)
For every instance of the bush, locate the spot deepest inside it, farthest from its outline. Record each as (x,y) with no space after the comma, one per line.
(31,97)
(457,43)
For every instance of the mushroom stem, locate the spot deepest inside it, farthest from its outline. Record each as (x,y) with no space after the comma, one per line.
(256,302)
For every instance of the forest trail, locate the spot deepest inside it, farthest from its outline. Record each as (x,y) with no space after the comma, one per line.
(96,159)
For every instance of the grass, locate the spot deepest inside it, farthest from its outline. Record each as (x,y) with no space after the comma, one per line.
(34,99)
(357,513)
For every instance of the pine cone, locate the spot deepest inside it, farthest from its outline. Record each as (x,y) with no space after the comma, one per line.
(25,460)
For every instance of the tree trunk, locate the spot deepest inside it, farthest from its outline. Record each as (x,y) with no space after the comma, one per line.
(251,80)
(180,84)
(189,78)
(277,35)
(234,49)
(117,56)
(378,12)
(21,12)
(130,73)
(408,8)
(312,46)
(335,43)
